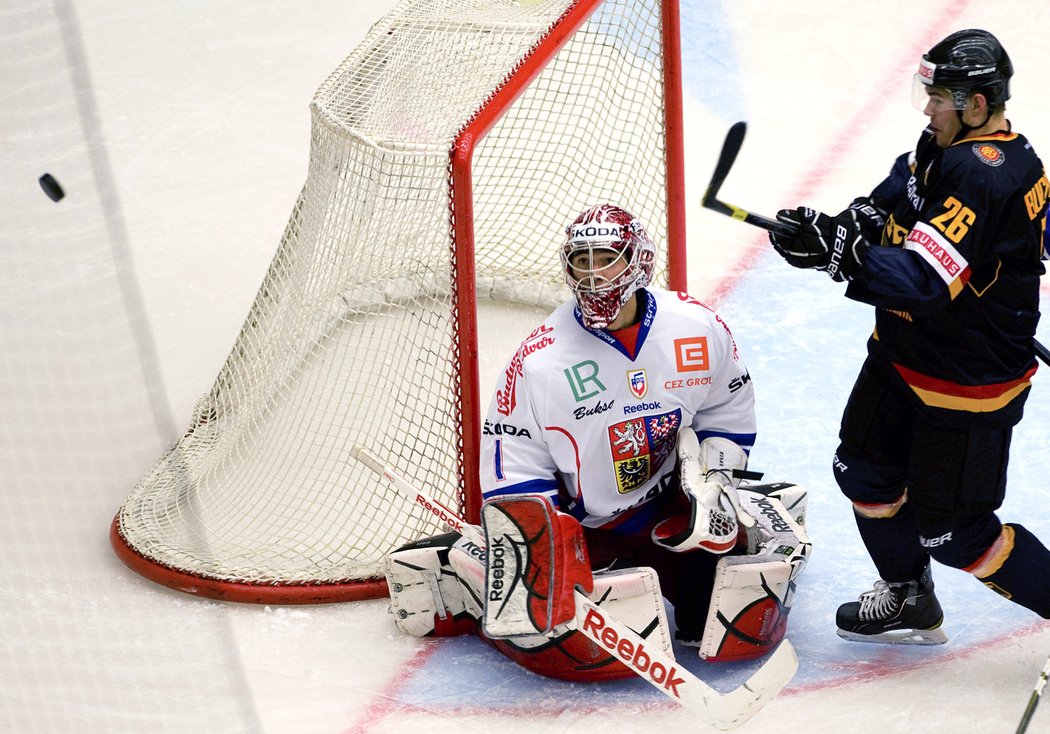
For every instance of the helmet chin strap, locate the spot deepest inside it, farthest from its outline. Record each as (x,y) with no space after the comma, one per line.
(965,129)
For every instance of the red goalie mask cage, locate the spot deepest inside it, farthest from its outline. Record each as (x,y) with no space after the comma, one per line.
(447,153)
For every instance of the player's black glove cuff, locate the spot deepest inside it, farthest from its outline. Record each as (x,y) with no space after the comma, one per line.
(834,245)
(870,217)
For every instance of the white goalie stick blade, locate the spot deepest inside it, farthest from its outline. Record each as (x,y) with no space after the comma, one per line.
(723,711)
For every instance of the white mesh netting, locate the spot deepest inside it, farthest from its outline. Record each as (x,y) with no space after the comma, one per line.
(351,338)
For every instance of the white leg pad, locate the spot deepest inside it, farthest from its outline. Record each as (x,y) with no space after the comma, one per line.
(426,588)
(752,594)
(633,596)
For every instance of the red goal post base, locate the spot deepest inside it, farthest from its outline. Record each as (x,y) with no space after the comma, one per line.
(276,594)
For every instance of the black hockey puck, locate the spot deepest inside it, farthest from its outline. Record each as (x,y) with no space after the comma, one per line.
(51,187)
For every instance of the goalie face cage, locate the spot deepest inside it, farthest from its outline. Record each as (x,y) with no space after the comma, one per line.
(447,154)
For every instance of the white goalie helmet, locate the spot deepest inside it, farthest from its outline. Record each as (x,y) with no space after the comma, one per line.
(602,285)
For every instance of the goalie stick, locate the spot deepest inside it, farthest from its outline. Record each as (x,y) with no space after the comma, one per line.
(730,148)
(723,711)
(1033,700)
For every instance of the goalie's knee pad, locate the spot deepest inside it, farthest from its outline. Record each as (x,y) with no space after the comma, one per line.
(752,594)
(633,597)
(429,584)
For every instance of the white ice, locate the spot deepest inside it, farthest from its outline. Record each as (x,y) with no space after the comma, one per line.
(180,131)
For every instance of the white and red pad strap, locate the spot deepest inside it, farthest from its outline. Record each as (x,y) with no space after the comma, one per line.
(536,559)
(752,594)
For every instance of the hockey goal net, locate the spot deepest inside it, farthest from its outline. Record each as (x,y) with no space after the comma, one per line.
(448,151)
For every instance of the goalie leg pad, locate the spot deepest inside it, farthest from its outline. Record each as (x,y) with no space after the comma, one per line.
(633,597)
(427,597)
(536,558)
(752,594)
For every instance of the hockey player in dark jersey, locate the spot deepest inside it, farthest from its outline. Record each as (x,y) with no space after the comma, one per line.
(948,249)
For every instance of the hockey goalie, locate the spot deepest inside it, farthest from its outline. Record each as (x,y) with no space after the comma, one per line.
(614,461)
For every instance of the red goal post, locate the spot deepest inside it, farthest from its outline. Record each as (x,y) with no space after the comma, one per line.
(447,153)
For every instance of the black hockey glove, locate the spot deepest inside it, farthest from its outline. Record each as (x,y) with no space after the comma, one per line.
(870,218)
(831,244)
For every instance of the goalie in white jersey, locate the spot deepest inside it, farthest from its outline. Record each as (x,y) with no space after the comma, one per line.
(629,416)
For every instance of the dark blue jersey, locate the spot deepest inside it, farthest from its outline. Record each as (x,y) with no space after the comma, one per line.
(956,278)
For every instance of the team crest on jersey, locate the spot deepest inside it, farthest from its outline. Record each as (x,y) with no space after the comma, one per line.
(640,446)
(637,382)
(989,154)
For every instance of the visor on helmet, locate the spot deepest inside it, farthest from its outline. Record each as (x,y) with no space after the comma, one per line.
(927,98)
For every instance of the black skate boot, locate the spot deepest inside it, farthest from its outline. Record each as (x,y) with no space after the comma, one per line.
(898,614)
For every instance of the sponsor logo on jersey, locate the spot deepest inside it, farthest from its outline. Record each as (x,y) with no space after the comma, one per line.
(501,429)
(640,446)
(506,397)
(738,382)
(687,382)
(917,202)
(637,382)
(597,408)
(936,250)
(690,354)
(583,380)
(628,409)
(989,154)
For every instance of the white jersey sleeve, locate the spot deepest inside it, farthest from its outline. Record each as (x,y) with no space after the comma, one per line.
(579,415)
(512,422)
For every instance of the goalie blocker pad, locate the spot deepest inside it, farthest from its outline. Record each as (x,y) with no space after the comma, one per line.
(537,557)
(752,594)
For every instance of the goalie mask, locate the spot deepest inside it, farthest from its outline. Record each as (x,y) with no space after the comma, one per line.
(607,256)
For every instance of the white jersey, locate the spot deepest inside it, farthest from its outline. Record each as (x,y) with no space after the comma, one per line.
(575,414)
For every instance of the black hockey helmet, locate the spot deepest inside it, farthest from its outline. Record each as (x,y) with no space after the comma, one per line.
(968,61)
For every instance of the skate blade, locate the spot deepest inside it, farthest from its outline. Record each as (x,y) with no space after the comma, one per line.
(934,636)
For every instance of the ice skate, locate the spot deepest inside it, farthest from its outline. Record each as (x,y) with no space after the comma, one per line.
(905,613)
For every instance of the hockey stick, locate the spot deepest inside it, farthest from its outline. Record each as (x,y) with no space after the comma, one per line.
(723,711)
(1033,701)
(730,148)
(733,142)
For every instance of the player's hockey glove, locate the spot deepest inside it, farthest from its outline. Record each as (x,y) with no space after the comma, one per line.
(870,218)
(834,245)
(705,475)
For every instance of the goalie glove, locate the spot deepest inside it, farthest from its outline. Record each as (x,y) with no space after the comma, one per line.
(706,479)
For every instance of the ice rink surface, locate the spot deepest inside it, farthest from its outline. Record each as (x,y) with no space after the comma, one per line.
(180,131)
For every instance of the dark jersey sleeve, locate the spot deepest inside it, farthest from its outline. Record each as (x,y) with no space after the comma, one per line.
(954,224)
(894,187)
